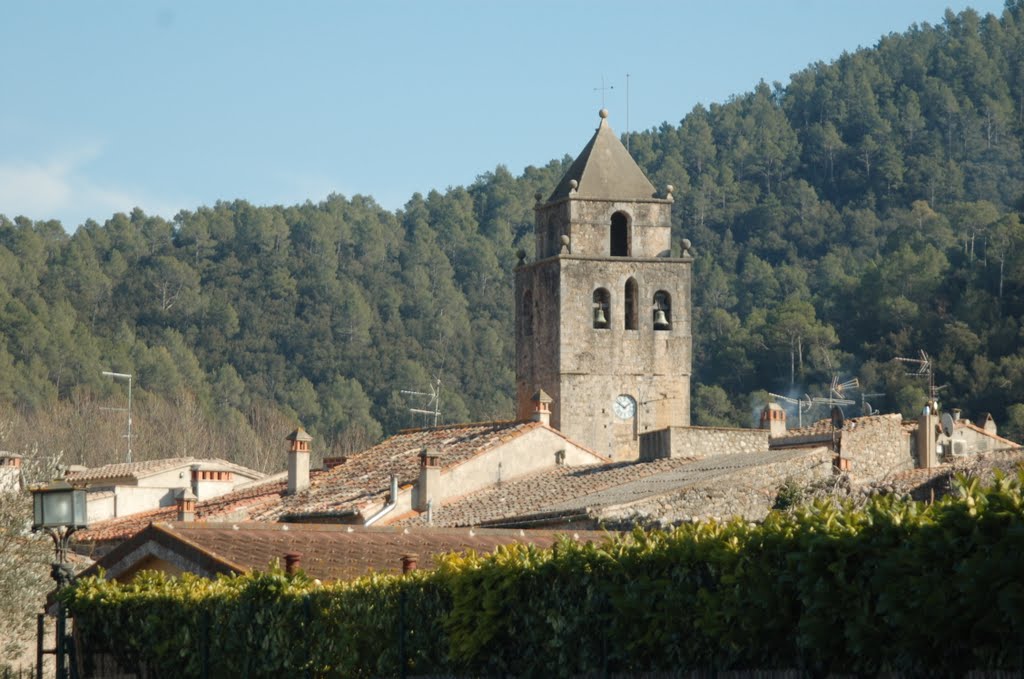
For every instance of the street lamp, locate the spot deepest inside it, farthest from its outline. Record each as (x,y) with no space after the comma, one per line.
(125,376)
(59,509)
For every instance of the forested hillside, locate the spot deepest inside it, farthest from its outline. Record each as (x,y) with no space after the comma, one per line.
(868,209)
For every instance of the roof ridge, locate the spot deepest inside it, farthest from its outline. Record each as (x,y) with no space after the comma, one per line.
(455,425)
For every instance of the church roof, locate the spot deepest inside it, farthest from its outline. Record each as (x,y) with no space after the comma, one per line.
(605,170)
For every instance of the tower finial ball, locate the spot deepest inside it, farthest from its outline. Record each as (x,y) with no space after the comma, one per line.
(603,113)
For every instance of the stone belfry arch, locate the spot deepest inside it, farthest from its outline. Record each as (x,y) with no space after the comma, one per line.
(609,334)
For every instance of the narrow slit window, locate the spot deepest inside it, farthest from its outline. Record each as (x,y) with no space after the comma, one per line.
(630,304)
(527,313)
(602,308)
(620,235)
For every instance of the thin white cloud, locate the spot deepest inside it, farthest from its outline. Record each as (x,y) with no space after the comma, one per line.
(60,188)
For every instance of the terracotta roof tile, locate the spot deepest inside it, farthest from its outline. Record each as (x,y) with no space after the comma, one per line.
(143,468)
(333,552)
(364,478)
(220,507)
(565,491)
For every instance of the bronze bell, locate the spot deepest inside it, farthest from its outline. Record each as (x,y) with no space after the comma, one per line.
(599,317)
(660,322)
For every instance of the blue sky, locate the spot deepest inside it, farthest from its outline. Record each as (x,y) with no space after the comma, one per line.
(112,105)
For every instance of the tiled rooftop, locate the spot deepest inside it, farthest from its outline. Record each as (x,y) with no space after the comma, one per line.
(364,478)
(567,491)
(823,428)
(332,552)
(220,507)
(137,470)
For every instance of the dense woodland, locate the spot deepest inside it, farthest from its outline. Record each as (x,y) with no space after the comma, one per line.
(868,209)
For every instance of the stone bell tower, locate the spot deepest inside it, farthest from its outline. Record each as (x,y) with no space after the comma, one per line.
(603,313)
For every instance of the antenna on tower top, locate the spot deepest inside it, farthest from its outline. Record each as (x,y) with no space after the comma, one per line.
(627,112)
(433,402)
(602,89)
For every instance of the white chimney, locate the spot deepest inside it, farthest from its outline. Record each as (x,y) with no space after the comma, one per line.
(298,461)
(187,505)
(429,485)
(542,407)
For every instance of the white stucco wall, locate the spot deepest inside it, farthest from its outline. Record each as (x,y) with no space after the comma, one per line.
(533,451)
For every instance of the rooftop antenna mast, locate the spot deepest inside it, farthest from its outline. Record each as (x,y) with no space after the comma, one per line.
(924,369)
(602,89)
(839,389)
(627,113)
(865,406)
(124,376)
(434,400)
(801,406)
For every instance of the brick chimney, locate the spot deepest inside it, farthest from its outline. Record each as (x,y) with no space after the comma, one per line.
(9,459)
(429,485)
(298,460)
(409,563)
(541,407)
(291,562)
(187,505)
(773,418)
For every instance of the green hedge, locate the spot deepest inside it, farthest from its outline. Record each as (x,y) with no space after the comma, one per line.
(893,586)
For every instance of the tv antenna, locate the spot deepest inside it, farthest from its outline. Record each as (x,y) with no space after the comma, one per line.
(865,407)
(627,113)
(924,369)
(801,406)
(839,389)
(124,376)
(602,89)
(433,402)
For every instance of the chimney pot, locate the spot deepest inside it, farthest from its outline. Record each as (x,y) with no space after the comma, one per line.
(773,418)
(409,563)
(542,407)
(291,562)
(298,461)
(187,505)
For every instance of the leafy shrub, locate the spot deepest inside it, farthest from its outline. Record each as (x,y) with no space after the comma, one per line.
(893,586)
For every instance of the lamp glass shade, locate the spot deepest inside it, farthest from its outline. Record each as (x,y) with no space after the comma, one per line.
(59,508)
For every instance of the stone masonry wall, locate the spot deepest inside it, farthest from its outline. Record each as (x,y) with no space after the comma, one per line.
(877,450)
(749,493)
(701,442)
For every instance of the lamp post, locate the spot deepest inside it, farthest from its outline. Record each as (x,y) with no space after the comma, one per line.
(59,509)
(125,376)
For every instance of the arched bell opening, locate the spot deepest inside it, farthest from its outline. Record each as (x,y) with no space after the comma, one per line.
(662,310)
(602,309)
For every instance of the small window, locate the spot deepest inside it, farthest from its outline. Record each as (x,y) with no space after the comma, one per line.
(620,235)
(527,313)
(630,304)
(662,310)
(602,308)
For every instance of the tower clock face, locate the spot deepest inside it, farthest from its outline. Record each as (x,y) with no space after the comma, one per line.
(624,407)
